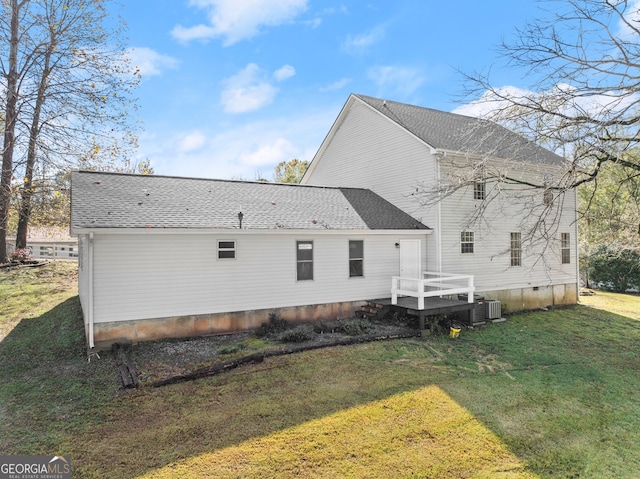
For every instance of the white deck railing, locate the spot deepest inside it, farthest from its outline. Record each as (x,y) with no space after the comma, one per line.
(432,285)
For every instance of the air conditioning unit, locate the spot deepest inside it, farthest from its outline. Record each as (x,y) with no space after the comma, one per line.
(493,309)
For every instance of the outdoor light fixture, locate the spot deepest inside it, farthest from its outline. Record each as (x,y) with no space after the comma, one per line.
(397,245)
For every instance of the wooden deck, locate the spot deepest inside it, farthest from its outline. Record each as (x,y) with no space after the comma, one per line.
(432,306)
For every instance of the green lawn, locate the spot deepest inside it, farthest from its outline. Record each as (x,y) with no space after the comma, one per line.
(545,394)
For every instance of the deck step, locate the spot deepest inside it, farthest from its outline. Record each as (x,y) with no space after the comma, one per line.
(371,310)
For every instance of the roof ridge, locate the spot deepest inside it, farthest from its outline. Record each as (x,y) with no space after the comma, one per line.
(221,180)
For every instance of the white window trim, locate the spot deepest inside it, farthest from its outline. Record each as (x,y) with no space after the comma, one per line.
(355,259)
(472,242)
(219,249)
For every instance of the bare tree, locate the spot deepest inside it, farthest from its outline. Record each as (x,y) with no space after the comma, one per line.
(584,57)
(583,60)
(11,77)
(74,101)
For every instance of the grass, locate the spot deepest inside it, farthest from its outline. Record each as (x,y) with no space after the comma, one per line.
(546,394)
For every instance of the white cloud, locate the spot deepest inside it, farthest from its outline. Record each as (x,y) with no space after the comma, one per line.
(268,154)
(355,44)
(632,16)
(490,103)
(569,99)
(313,24)
(242,150)
(393,79)
(284,73)
(193,141)
(250,89)
(235,20)
(338,85)
(149,62)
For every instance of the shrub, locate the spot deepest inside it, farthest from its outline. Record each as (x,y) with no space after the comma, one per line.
(274,326)
(322,327)
(20,255)
(355,327)
(616,270)
(298,334)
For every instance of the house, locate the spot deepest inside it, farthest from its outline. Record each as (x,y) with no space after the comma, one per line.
(470,180)
(48,243)
(167,257)
(398,202)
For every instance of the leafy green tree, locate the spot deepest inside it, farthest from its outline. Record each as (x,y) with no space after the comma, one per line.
(616,270)
(290,171)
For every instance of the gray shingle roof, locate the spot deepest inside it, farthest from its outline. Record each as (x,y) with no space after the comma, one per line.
(453,132)
(113,200)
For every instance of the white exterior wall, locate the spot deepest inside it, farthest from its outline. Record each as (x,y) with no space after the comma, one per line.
(155,275)
(491,260)
(369,151)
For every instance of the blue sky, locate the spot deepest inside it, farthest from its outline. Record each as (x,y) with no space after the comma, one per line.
(232,87)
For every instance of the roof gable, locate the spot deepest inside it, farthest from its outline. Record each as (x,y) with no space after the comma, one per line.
(113,200)
(459,133)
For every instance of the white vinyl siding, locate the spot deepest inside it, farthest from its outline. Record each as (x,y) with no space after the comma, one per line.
(365,149)
(491,261)
(370,151)
(137,276)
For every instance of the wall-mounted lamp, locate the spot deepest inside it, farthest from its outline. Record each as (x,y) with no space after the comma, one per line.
(397,245)
(240,216)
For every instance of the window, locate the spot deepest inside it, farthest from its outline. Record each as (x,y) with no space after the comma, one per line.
(466,242)
(479,189)
(304,260)
(548,197)
(516,249)
(356,258)
(565,247)
(226,249)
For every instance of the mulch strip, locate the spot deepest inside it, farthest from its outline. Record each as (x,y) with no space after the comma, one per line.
(261,356)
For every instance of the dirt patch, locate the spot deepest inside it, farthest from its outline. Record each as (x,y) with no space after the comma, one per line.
(160,360)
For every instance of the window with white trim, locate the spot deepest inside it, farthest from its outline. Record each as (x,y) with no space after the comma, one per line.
(516,249)
(466,242)
(479,190)
(304,260)
(226,249)
(565,247)
(356,258)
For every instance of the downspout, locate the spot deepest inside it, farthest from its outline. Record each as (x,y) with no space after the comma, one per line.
(90,290)
(439,216)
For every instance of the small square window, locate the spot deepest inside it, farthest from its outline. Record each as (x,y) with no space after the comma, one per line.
(226,249)
(466,242)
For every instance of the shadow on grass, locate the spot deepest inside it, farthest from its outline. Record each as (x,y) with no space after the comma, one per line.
(559,389)
(46,384)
